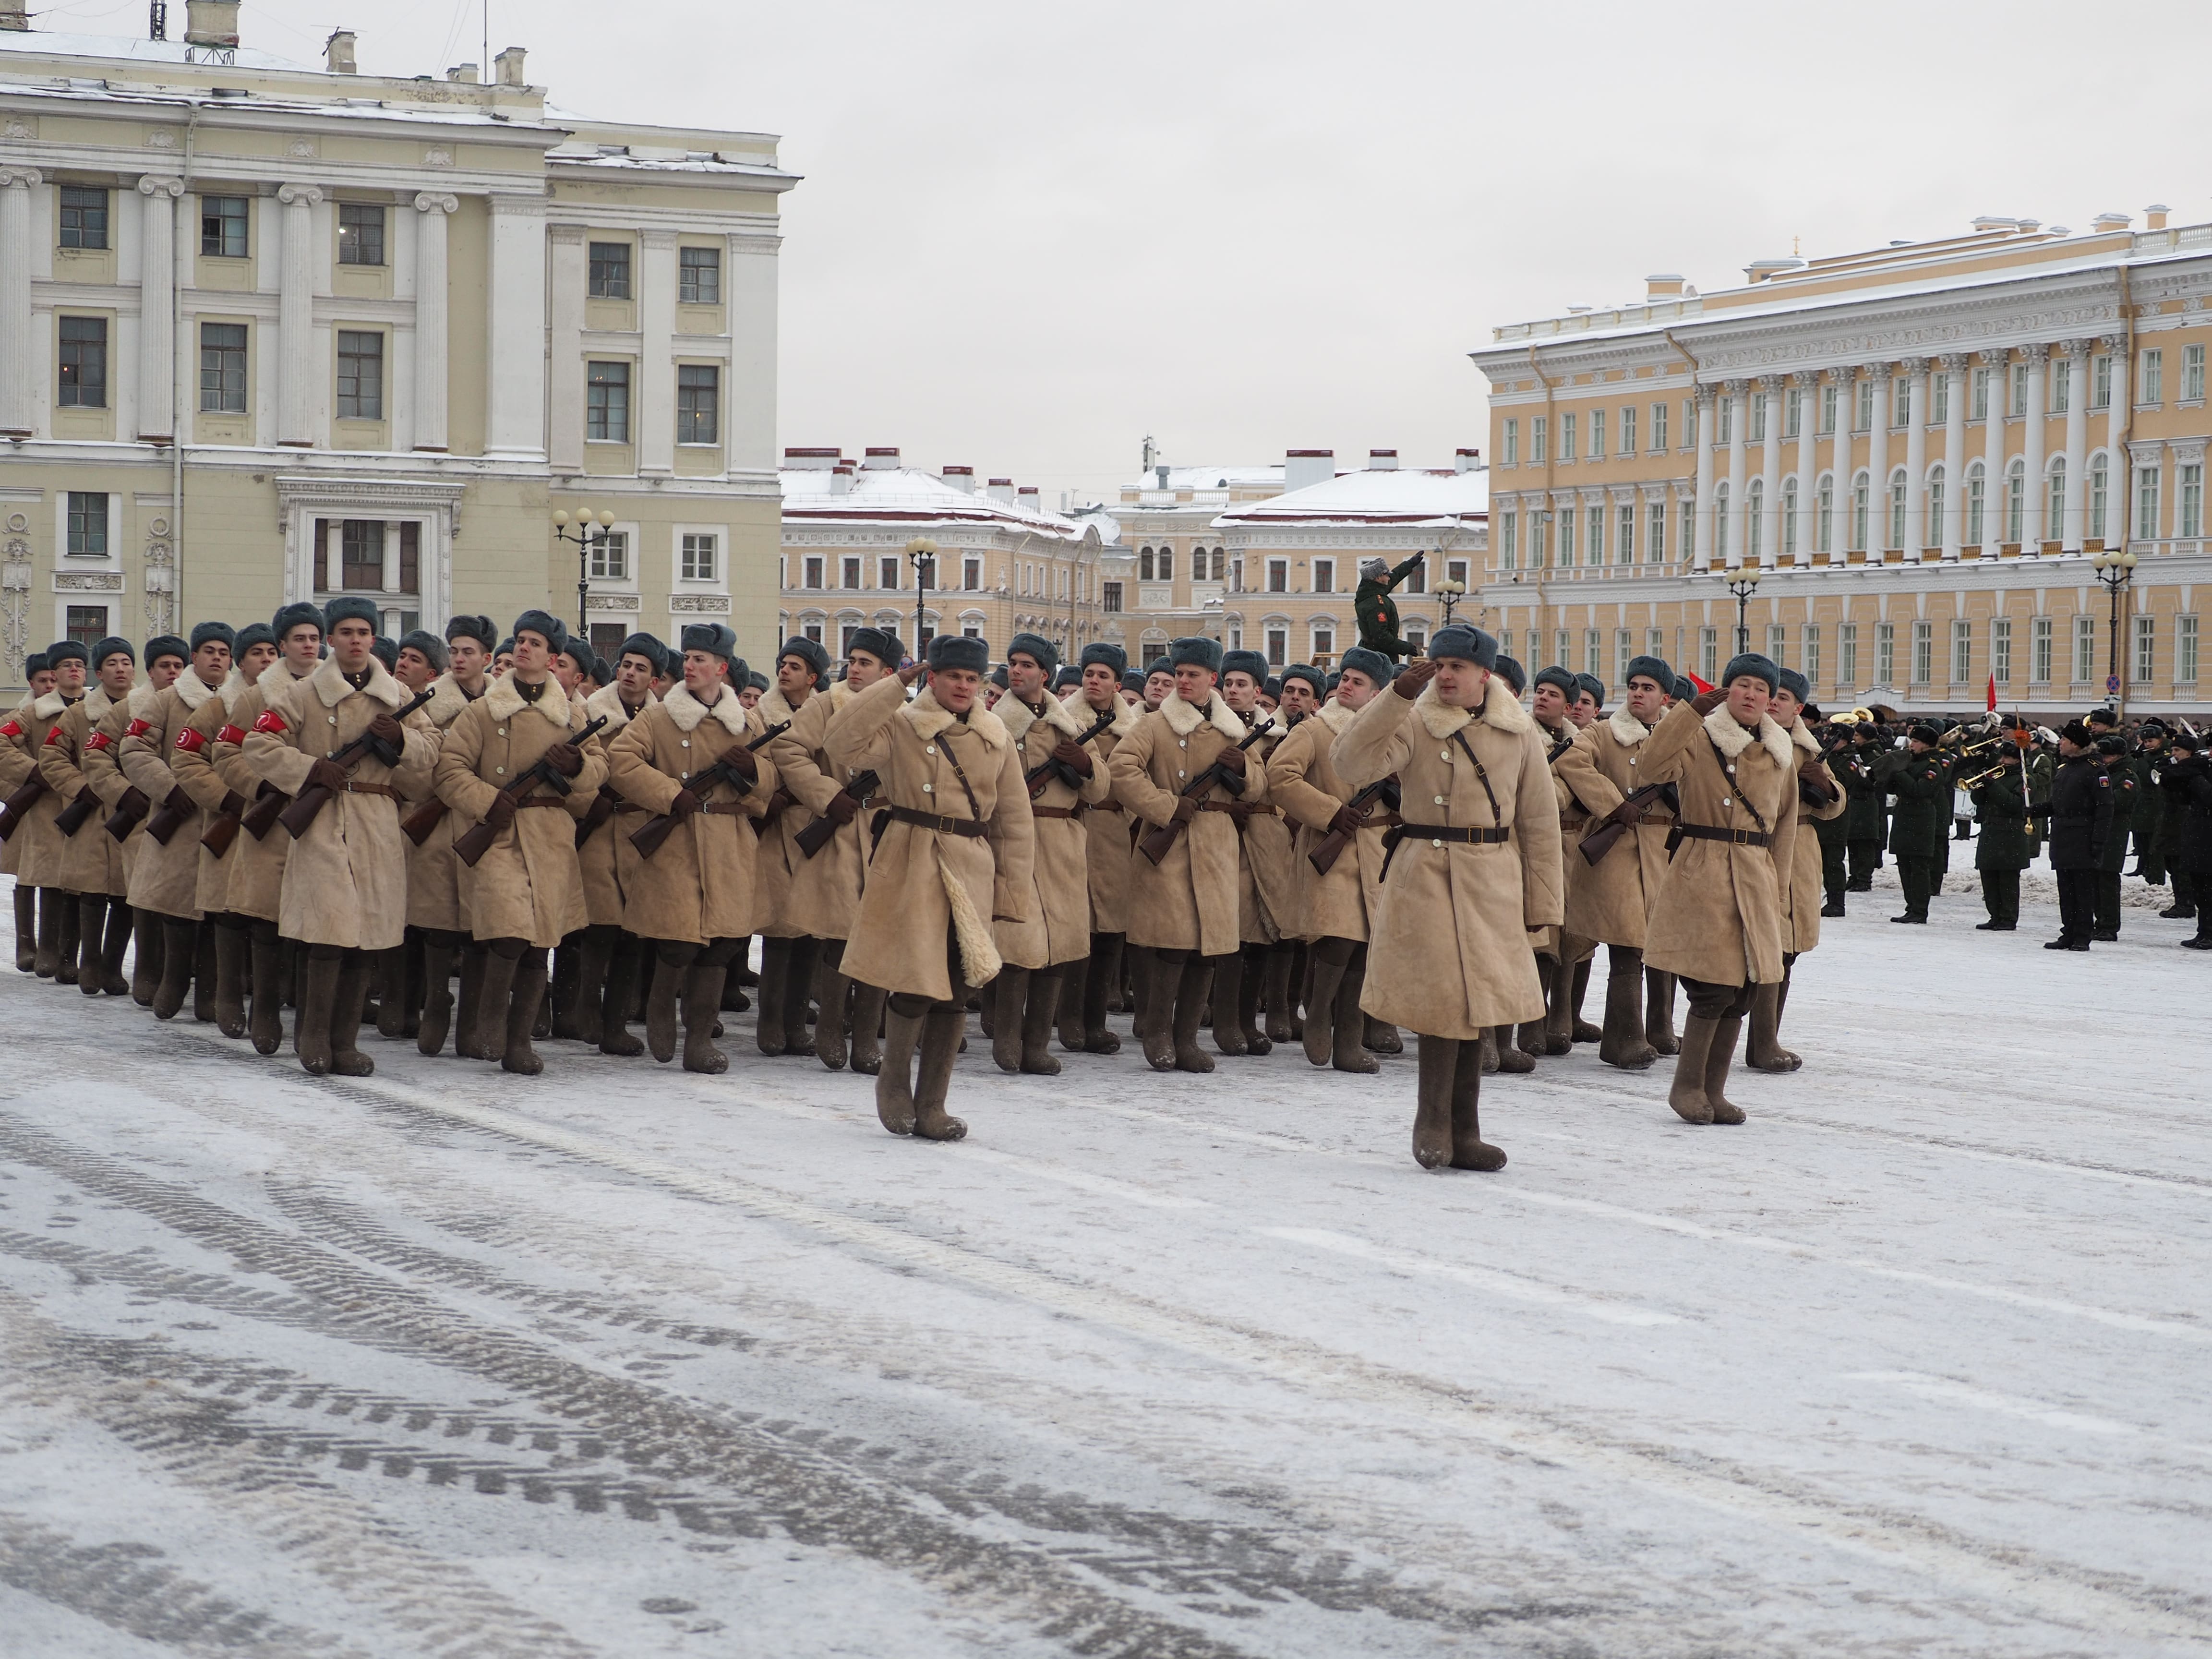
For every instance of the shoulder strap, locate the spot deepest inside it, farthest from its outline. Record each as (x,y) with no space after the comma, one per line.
(1497,817)
(1728,778)
(974,807)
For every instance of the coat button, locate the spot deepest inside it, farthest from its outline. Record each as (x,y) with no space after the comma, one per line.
(1436,843)
(1182,743)
(687,743)
(928,790)
(499,771)
(1440,801)
(334,720)
(1183,774)
(502,731)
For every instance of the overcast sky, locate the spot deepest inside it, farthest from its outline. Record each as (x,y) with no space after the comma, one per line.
(1032,232)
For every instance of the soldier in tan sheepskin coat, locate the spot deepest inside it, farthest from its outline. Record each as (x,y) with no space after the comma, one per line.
(614,960)
(254,650)
(37,846)
(790,948)
(1085,985)
(81,757)
(434,869)
(1819,800)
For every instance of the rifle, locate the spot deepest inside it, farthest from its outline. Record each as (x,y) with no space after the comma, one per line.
(417,824)
(473,842)
(261,817)
(658,829)
(164,824)
(1159,843)
(308,804)
(130,811)
(73,815)
(603,808)
(817,834)
(221,830)
(1330,847)
(1600,841)
(20,803)
(1036,777)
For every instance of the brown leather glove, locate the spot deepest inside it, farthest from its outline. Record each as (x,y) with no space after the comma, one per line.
(1231,761)
(1413,676)
(327,773)
(1627,812)
(1706,701)
(501,810)
(1186,809)
(233,805)
(388,732)
(683,805)
(178,802)
(843,807)
(1069,753)
(743,763)
(913,671)
(565,758)
(1347,820)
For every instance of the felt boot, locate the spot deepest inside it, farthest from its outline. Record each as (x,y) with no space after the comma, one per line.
(672,967)
(1348,1051)
(1559,1006)
(48,955)
(412,1024)
(91,911)
(904,1017)
(774,982)
(146,956)
(940,1045)
(1512,1056)
(1036,1024)
(392,998)
(66,943)
(356,969)
(1621,1043)
(1008,993)
(230,953)
(1329,959)
(1249,996)
(438,952)
(1469,1150)
(177,945)
(1228,1035)
(1102,974)
(469,1004)
(1282,1011)
(1762,1053)
(27,928)
(867,1027)
(1189,1004)
(594,951)
(833,994)
(319,996)
(111,980)
(204,972)
(1718,1056)
(1582,1030)
(494,999)
(797,997)
(526,993)
(1433,1100)
(1489,1047)
(1380,1036)
(1074,976)
(1158,973)
(568,965)
(702,1000)
(1659,1010)
(265,1022)
(625,967)
(1687,1096)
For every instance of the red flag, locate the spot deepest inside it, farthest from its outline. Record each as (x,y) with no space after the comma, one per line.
(1703,687)
(1993,690)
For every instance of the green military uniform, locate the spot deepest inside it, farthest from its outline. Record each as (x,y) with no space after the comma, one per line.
(1919,827)
(1377,612)
(2162,858)
(2112,857)
(2042,772)
(1862,820)
(2003,853)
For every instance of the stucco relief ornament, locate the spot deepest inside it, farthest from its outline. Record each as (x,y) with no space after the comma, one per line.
(303,149)
(161,138)
(19,128)
(161,580)
(15,601)
(437,156)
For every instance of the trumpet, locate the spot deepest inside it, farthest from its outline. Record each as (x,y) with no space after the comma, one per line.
(1961,751)
(1979,778)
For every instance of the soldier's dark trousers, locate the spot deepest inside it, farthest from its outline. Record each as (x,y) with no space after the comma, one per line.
(2000,895)
(1918,875)
(2106,911)
(2077,901)
(1865,858)
(1835,871)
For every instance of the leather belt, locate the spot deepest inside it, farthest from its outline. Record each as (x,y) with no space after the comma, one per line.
(1445,833)
(937,822)
(1107,805)
(1217,805)
(540,800)
(1731,837)
(725,809)
(1056,811)
(353,788)
(1656,815)
(622,806)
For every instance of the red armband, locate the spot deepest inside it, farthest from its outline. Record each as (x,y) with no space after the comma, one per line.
(98,740)
(54,736)
(191,740)
(137,728)
(11,729)
(273,723)
(230,734)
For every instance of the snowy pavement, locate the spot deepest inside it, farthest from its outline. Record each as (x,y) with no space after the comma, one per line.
(621,1361)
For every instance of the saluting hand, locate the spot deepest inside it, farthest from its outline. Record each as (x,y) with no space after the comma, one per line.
(912,671)
(1706,701)
(1413,676)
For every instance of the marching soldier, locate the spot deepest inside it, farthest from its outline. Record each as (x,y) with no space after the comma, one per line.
(45,850)
(434,871)
(252,652)
(343,893)
(952,854)
(612,967)
(417,662)
(1561,952)
(1471,872)
(1265,887)
(16,768)
(2001,852)
(789,951)
(1819,797)
(526,893)
(78,764)
(1087,986)
(687,758)
(1335,908)
(1862,811)
(1063,776)
(1833,833)
(1922,785)
(1160,683)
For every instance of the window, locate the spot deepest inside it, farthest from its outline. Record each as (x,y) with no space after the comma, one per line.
(1689,532)
(1563,643)
(2185,650)
(84,217)
(360,233)
(2015,501)
(84,362)
(1793,412)
(1896,508)
(1825,525)
(2017,408)
(1456,570)
(1977,491)
(360,553)
(222,226)
(1509,542)
(699,276)
(1658,426)
(1862,419)
(1847,656)
(1828,408)
(1512,446)
(1709,653)
(1939,399)
(1536,440)
(1754,521)
(1790,516)
(1324,643)
(1654,533)
(609,271)
(87,624)
(2100,493)
(698,404)
(87,523)
(1593,657)
(1900,401)
(1536,649)
(887,573)
(971,574)
(851,564)
(410,572)
(360,375)
(2147,503)
(1757,433)
(1279,647)
(1962,650)
(223,367)
(1624,647)
(2084,650)
(2000,649)
(701,557)
(1719,524)
(1597,434)
(2190,485)
(2146,651)
(1145,564)
(1110,596)
(1809,652)
(2152,377)
(611,556)
(2054,521)
(1623,540)
(1593,547)
(1726,417)
(1567,437)
(1859,512)
(1416,583)
(2100,382)
(606,406)
(1980,409)
(1655,642)
(2193,374)
(1885,652)
(1628,430)
(2061,385)
(810,569)
(1324,575)
(1566,518)
(1279,575)
(1778,638)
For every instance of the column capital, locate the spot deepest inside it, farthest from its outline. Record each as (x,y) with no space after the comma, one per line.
(1735,388)
(1804,378)
(2111,342)
(155,184)
(27,177)
(1914,367)
(1954,362)
(567,235)
(1996,356)
(2037,354)
(1771,383)
(1880,371)
(660,240)
(2080,348)
(305,196)
(510,205)
(431,201)
(1703,393)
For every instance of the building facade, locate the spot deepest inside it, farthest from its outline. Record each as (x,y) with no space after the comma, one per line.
(272,332)
(1921,450)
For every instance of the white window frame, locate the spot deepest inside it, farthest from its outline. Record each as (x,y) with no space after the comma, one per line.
(718,581)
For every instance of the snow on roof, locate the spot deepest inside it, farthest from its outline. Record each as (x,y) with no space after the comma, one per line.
(1210,477)
(1108,527)
(908,494)
(1392,496)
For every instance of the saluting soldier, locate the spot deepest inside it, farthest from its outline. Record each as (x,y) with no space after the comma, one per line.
(1104,687)
(253,652)
(789,949)
(1820,799)
(1264,884)
(1471,872)
(952,854)
(1335,908)
(1718,921)
(78,760)
(526,893)
(344,891)
(698,898)
(1069,776)
(42,850)
(613,958)
(434,869)
(17,767)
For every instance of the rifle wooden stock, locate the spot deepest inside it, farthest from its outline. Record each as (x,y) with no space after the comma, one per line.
(221,830)
(473,842)
(1330,847)
(656,830)
(1600,841)
(819,833)
(20,803)
(165,823)
(73,815)
(602,808)
(1038,775)
(1159,843)
(261,817)
(417,824)
(308,804)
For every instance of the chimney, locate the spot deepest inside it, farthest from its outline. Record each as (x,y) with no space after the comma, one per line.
(509,64)
(1466,460)
(1989,221)
(809,460)
(2109,222)
(1667,285)
(1381,461)
(841,478)
(14,15)
(2028,226)
(2154,216)
(1760,270)
(211,22)
(338,52)
(961,478)
(879,460)
(465,74)
(1029,500)
(1002,489)
(1161,474)
(1302,467)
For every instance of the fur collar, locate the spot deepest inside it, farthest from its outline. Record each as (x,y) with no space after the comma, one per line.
(1627,730)
(607,701)
(1126,713)
(233,688)
(1335,716)
(1500,709)
(447,700)
(193,691)
(49,705)
(97,702)
(687,711)
(1014,714)
(505,701)
(774,708)
(840,694)
(141,698)
(928,718)
(1732,739)
(331,688)
(1183,718)
(1801,738)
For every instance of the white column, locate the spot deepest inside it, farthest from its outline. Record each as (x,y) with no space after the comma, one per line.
(516,396)
(1847,396)
(1993,453)
(2119,481)
(1739,412)
(1703,550)
(296,318)
(1957,389)
(656,316)
(1769,473)
(1808,388)
(565,352)
(17,405)
(750,397)
(1878,466)
(1916,456)
(2077,445)
(157,294)
(432,313)
(2032,529)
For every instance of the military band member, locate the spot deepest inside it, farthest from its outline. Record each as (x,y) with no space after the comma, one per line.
(1820,799)
(17,767)
(1266,890)
(1104,686)
(253,652)
(612,960)
(43,850)
(1473,871)
(2080,807)
(79,761)
(952,853)
(2124,783)
(789,950)
(1922,785)
(2001,852)
(2186,781)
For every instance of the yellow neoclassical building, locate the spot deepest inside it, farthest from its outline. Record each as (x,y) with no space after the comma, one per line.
(1941,461)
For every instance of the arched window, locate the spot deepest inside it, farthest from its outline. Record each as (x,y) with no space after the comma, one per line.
(1861,486)
(1938,498)
(1790,516)
(2015,501)
(2100,482)
(1897,488)
(2054,524)
(1977,491)
(1754,520)
(1719,524)
(1144,565)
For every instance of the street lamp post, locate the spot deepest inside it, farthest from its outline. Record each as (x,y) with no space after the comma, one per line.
(2115,570)
(585,539)
(923,552)
(1451,593)
(1743,582)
